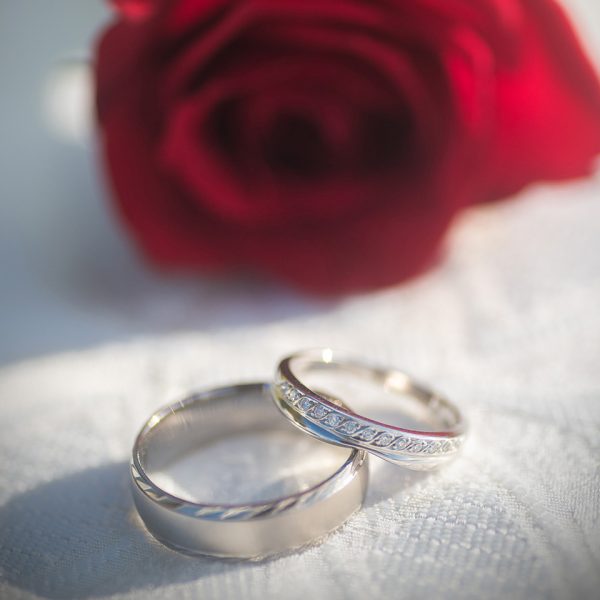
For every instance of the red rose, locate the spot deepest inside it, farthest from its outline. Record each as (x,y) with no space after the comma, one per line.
(331,143)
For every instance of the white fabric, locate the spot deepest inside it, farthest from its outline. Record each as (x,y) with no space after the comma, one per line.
(508,326)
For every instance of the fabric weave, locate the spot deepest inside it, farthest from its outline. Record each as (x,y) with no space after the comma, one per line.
(508,327)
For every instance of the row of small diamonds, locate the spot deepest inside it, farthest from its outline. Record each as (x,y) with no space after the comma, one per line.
(371,435)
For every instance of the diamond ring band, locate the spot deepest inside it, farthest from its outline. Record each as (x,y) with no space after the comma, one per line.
(323,418)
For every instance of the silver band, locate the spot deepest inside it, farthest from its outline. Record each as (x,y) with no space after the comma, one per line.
(325,419)
(244,531)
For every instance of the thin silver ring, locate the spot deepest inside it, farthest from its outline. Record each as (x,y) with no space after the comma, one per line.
(252,530)
(324,419)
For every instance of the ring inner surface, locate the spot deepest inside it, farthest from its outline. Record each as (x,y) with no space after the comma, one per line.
(387,396)
(234,449)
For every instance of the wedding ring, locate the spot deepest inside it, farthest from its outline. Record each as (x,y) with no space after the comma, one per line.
(250,530)
(321,417)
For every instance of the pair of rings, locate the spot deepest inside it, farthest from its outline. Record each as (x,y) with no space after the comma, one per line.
(260,529)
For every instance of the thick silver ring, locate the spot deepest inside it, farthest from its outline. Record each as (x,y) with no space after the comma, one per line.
(324,419)
(250,530)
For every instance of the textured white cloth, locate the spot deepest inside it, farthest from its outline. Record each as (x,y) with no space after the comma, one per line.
(508,326)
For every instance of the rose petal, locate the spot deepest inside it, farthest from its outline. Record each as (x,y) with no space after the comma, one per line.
(368,251)
(233,192)
(134,9)
(424,20)
(547,121)
(164,219)
(186,15)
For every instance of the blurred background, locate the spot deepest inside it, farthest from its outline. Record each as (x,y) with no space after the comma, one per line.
(70,277)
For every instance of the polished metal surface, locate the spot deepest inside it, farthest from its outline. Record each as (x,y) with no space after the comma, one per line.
(324,418)
(252,530)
